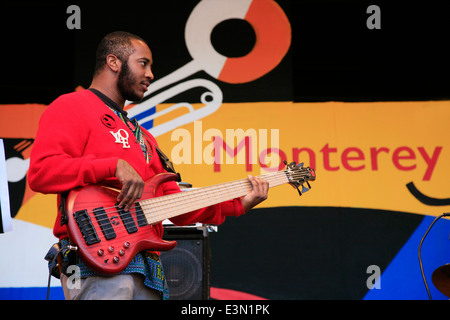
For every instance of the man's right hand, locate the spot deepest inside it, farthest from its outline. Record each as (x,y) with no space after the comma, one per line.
(132,184)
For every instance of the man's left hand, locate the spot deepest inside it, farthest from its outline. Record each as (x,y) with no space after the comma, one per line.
(259,193)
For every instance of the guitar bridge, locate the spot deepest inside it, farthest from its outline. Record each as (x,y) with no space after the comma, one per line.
(85,225)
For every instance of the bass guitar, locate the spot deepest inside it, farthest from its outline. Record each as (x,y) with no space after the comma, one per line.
(107,237)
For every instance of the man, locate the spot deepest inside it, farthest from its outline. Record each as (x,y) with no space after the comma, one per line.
(86,138)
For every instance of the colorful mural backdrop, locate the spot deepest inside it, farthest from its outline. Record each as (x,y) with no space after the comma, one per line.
(240,87)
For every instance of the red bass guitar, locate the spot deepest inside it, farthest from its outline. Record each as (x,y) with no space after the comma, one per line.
(108,237)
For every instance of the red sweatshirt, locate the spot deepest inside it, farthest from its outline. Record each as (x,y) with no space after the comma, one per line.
(74,147)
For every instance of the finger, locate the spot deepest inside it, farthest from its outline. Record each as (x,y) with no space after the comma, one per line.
(123,203)
(265,186)
(122,195)
(259,185)
(126,196)
(140,190)
(134,192)
(261,188)
(253,182)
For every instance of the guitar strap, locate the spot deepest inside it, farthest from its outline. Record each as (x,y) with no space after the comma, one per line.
(167,164)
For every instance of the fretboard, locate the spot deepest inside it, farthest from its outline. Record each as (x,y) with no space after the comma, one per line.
(169,206)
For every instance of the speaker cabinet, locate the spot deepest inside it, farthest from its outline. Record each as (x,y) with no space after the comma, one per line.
(187,266)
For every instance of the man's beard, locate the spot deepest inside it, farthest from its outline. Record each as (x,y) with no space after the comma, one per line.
(125,84)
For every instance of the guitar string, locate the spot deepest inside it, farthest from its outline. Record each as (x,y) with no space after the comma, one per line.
(143,216)
(122,231)
(175,195)
(164,205)
(106,229)
(156,206)
(172,199)
(134,215)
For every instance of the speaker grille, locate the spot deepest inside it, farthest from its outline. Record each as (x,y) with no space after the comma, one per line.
(186,267)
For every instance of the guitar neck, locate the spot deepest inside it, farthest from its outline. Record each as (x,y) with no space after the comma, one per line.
(169,206)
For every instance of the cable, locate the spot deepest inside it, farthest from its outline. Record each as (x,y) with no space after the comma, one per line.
(420,248)
(52,265)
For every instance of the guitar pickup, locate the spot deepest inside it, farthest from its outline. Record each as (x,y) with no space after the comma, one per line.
(104,223)
(141,219)
(85,225)
(127,219)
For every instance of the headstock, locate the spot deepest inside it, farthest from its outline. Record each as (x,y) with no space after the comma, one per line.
(297,176)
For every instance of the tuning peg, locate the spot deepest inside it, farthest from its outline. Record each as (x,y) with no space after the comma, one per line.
(300,165)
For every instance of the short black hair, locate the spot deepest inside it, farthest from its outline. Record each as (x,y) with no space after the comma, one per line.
(117,43)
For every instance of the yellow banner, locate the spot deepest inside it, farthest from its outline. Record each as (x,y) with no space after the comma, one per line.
(365,154)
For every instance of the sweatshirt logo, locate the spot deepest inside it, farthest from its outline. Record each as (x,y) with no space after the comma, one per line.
(108,121)
(121,136)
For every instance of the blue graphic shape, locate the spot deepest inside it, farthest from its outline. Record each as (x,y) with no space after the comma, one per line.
(402,279)
(149,124)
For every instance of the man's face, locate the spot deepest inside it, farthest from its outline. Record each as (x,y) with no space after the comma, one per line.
(136,73)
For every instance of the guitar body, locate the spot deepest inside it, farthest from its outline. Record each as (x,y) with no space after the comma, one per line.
(108,237)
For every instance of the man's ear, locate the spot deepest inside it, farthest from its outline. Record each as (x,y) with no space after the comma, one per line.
(113,62)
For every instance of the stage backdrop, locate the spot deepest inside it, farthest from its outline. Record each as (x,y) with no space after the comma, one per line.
(354,89)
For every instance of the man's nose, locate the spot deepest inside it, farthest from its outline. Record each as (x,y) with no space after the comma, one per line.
(149,74)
